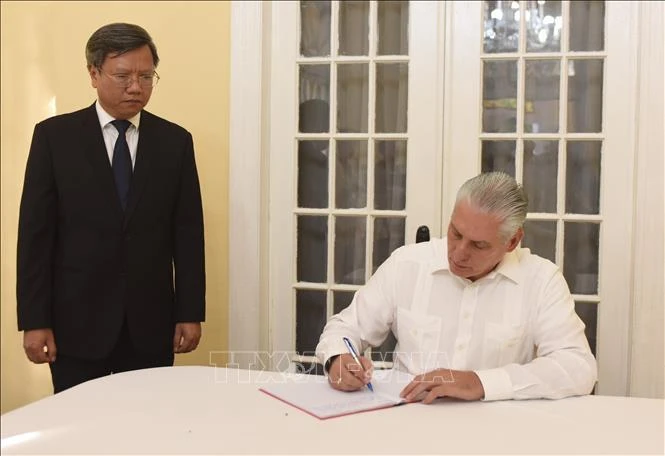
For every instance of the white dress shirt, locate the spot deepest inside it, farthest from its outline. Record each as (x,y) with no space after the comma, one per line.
(111,133)
(516,327)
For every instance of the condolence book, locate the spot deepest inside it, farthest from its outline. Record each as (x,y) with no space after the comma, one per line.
(314,395)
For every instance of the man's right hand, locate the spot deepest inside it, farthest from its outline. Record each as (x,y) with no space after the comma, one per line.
(34,342)
(345,374)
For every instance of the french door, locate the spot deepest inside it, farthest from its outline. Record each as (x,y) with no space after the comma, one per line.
(354,169)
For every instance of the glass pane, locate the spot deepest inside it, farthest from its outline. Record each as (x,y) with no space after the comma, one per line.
(390,175)
(314,28)
(392,97)
(585,95)
(353,28)
(583,177)
(350,244)
(313,174)
(341,300)
(543,26)
(393,22)
(352,97)
(498,156)
(541,109)
(314,110)
(351,175)
(540,175)
(310,319)
(388,235)
(501,26)
(588,312)
(312,248)
(580,261)
(540,237)
(385,351)
(499,96)
(587,25)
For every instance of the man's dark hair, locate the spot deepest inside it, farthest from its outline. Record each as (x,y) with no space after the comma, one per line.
(117,39)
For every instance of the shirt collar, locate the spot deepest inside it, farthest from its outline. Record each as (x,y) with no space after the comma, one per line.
(105,118)
(507,267)
(441,256)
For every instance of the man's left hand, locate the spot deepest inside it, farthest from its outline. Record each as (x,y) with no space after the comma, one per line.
(444,383)
(186,337)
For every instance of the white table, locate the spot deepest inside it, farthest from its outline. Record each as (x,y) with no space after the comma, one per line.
(190,410)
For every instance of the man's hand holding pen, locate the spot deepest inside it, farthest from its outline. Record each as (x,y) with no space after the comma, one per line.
(345,374)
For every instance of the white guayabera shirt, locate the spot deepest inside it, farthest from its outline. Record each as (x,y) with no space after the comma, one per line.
(516,327)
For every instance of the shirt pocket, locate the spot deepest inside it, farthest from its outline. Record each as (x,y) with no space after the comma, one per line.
(502,344)
(418,336)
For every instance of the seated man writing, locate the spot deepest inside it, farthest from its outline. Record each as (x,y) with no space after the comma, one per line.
(474,316)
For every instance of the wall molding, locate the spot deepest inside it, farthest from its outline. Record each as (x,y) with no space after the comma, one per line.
(648,297)
(245,176)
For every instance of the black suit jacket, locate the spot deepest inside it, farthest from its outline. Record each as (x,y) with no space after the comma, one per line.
(83,264)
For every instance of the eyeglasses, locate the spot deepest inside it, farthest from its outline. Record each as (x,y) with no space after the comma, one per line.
(125,80)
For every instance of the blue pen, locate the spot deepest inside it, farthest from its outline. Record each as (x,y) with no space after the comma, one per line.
(352,350)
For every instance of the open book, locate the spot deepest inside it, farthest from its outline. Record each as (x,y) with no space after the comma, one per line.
(315,396)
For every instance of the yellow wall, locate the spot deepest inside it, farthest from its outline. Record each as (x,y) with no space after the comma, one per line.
(44,73)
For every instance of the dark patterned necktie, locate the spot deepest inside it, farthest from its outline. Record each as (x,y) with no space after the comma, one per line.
(122,162)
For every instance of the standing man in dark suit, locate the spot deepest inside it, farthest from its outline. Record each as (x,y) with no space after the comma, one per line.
(111,206)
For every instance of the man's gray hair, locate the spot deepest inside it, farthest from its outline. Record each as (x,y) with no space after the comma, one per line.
(498,194)
(117,38)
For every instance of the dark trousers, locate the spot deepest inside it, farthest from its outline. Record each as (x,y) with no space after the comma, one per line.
(68,371)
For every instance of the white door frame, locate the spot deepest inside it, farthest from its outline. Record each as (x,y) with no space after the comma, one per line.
(614,322)
(247,314)
(647,339)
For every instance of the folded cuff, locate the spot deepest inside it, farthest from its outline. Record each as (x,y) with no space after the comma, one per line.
(327,349)
(496,383)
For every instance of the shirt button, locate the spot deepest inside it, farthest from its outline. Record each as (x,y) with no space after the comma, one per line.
(467,315)
(461,347)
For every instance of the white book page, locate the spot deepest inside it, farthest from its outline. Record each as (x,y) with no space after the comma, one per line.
(316,397)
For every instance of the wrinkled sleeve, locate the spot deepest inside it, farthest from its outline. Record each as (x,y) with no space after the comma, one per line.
(367,320)
(564,365)
(189,249)
(37,229)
